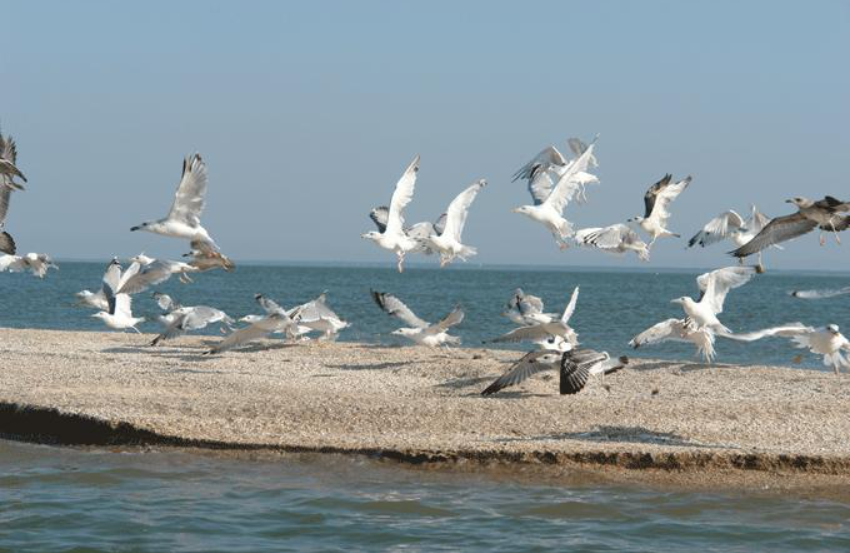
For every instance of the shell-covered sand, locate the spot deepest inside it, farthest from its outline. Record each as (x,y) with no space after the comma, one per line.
(418,404)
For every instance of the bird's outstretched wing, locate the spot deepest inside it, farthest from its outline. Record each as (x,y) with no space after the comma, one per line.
(546,160)
(671,329)
(820,294)
(660,195)
(151,274)
(396,308)
(255,331)
(570,182)
(459,208)
(270,306)
(529,365)
(715,285)
(717,229)
(379,216)
(785,331)
(534,333)
(780,229)
(191,192)
(7,243)
(402,195)
(452,319)
(165,302)
(571,307)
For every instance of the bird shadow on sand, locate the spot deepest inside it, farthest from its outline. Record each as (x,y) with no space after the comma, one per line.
(663,365)
(370,366)
(458,383)
(620,434)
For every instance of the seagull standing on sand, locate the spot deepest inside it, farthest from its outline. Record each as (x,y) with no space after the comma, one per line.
(447,242)
(827,341)
(393,236)
(421,332)
(617,239)
(549,202)
(575,366)
(714,287)
(119,316)
(657,201)
(547,331)
(824,214)
(678,330)
(36,263)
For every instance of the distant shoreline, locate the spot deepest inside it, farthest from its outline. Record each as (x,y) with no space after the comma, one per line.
(661,420)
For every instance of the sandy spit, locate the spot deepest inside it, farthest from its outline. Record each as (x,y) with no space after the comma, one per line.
(420,405)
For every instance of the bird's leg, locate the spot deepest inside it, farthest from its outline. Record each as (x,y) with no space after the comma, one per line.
(822,239)
(652,242)
(185,278)
(136,329)
(400,262)
(835,233)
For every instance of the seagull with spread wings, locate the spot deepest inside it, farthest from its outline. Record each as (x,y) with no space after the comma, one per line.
(575,367)
(447,242)
(553,183)
(119,315)
(547,331)
(731,226)
(419,331)
(825,214)
(526,310)
(391,233)
(657,202)
(8,169)
(616,239)
(184,218)
(180,320)
(36,263)
(678,330)
(261,328)
(714,287)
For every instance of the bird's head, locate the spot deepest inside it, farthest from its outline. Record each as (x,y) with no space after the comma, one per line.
(833,329)
(524,209)
(635,219)
(800,201)
(142,259)
(371,235)
(403,332)
(141,226)
(680,301)
(100,315)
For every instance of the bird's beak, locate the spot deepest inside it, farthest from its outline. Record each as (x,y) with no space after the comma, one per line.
(789,201)
(135,228)
(515,210)
(677,300)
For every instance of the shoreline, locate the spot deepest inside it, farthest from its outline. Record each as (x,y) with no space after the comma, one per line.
(656,420)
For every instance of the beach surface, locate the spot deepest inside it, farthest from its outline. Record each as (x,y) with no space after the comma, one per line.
(418,405)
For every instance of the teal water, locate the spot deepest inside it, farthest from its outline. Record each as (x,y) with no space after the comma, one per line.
(105,501)
(613,306)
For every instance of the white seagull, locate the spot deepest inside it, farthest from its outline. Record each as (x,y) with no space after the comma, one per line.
(447,242)
(184,218)
(393,236)
(678,330)
(261,328)
(617,239)
(827,341)
(153,272)
(420,331)
(317,316)
(95,300)
(36,263)
(180,320)
(549,202)
(657,201)
(714,287)
(119,315)
(526,310)
(820,294)
(547,331)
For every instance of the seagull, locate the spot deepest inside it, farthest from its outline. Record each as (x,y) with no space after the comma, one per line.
(8,158)
(119,315)
(575,366)
(392,236)
(259,329)
(447,242)
(153,272)
(657,200)
(317,316)
(271,307)
(820,294)
(526,310)
(184,218)
(180,320)
(205,257)
(36,263)
(95,300)
(7,243)
(548,331)
(616,239)
(678,330)
(549,202)
(824,214)
(827,341)
(714,287)
(421,332)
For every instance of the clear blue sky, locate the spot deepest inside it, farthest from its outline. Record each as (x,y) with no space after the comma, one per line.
(308,112)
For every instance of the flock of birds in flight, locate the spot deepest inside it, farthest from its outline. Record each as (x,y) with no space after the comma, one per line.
(553,182)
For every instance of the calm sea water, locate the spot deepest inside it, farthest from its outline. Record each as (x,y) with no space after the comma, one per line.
(55,499)
(612,307)
(99,501)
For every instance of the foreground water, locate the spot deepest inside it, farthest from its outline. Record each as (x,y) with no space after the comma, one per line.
(613,306)
(95,500)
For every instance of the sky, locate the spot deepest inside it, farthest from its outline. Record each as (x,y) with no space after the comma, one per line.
(308,112)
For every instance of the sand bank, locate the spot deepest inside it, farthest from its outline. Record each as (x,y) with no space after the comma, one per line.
(418,405)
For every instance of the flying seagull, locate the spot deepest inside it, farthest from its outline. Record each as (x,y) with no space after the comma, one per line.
(180,320)
(393,236)
(575,366)
(8,154)
(119,315)
(526,310)
(820,294)
(95,300)
(678,330)
(419,331)
(714,287)
(827,341)
(184,218)
(729,225)
(36,263)
(447,242)
(153,272)
(260,329)
(824,214)
(549,332)
(617,239)
(8,159)
(316,316)
(657,202)
(205,257)
(549,201)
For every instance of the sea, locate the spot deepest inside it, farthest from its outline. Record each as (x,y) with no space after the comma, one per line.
(116,500)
